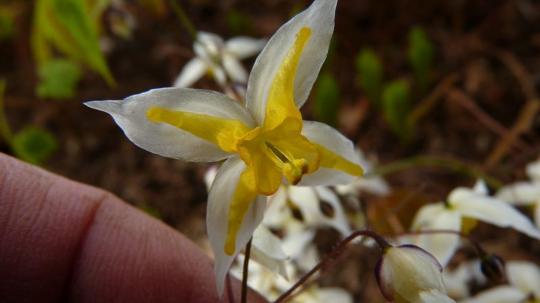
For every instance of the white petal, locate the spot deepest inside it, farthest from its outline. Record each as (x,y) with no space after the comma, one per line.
(480,187)
(244,47)
(501,294)
(437,217)
(267,251)
(533,170)
(334,141)
(319,17)
(219,200)
(167,140)
(192,71)
(234,69)
(278,212)
(371,184)
(208,45)
(537,213)
(295,243)
(525,276)
(333,294)
(433,296)
(209,176)
(491,210)
(520,193)
(309,199)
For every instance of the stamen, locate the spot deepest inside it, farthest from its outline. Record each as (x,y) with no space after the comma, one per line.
(293,169)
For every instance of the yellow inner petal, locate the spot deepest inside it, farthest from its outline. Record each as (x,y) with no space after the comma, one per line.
(244,195)
(225,133)
(329,159)
(280,104)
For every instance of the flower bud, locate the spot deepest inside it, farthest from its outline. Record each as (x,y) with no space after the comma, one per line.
(408,273)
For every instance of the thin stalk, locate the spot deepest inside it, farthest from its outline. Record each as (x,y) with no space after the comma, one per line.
(184,19)
(245,272)
(448,163)
(338,250)
(5,130)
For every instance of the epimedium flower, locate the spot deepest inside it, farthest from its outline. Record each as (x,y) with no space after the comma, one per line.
(464,206)
(219,59)
(264,143)
(408,273)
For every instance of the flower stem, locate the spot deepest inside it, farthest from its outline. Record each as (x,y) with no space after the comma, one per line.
(245,272)
(338,250)
(444,162)
(5,130)
(184,20)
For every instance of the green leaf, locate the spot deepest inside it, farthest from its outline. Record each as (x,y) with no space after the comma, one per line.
(327,96)
(34,145)
(396,108)
(58,79)
(67,26)
(421,54)
(370,74)
(7,27)
(238,22)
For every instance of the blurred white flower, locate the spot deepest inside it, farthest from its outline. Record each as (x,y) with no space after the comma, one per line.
(271,286)
(372,184)
(523,192)
(457,281)
(464,203)
(524,286)
(408,273)
(219,59)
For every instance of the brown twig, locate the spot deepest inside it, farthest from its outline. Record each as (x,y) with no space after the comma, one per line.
(427,104)
(469,104)
(527,113)
(338,250)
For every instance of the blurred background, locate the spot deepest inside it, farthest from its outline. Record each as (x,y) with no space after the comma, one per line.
(438,93)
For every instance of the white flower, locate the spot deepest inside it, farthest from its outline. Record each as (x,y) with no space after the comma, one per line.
(525,193)
(372,184)
(458,280)
(264,143)
(219,59)
(464,203)
(524,282)
(409,274)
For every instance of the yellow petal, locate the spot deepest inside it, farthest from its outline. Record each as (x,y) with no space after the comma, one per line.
(280,104)
(332,160)
(225,133)
(244,195)
(266,175)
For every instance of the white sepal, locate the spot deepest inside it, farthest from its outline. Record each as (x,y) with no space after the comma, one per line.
(244,47)
(491,210)
(331,139)
(166,140)
(437,217)
(501,294)
(192,71)
(319,17)
(219,199)
(267,251)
